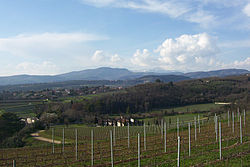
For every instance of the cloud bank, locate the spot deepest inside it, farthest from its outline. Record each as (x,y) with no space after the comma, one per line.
(101,58)
(52,53)
(185,53)
(42,53)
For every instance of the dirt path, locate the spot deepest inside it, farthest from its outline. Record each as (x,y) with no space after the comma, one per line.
(37,137)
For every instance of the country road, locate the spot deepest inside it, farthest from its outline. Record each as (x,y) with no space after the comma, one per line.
(37,137)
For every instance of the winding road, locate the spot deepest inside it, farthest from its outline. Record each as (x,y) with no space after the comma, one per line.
(37,137)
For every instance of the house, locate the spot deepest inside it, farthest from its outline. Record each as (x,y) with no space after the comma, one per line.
(30,120)
(119,124)
(132,120)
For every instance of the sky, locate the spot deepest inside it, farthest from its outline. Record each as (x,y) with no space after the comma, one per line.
(48,37)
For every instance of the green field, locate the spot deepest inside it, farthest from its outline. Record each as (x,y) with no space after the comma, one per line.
(186,113)
(197,107)
(21,108)
(192,108)
(85,97)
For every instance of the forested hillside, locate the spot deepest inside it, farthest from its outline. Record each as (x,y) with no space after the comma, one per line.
(146,97)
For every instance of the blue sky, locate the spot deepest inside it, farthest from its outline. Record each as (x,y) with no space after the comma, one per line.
(57,36)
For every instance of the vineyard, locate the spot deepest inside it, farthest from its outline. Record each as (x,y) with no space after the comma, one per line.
(221,140)
(22,108)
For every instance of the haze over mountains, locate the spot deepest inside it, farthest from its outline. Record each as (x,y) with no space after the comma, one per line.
(106,73)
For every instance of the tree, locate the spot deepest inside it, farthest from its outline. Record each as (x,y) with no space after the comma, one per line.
(171,84)
(9,125)
(158,80)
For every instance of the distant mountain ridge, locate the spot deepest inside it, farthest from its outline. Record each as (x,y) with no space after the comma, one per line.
(107,73)
(216,73)
(103,73)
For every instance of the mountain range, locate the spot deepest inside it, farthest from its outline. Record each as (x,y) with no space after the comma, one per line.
(107,73)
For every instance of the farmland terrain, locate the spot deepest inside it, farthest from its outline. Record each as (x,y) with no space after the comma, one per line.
(78,118)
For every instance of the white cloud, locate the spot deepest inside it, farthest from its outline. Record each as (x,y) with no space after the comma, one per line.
(29,45)
(115,58)
(244,64)
(98,56)
(183,10)
(187,52)
(102,58)
(55,39)
(222,3)
(38,54)
(171,8)
(44,68)
(142,58)
(206,13)
(203,18)
(61,48)
(246,10)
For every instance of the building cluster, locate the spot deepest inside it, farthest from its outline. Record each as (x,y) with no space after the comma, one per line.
(29,120)
(120,122)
